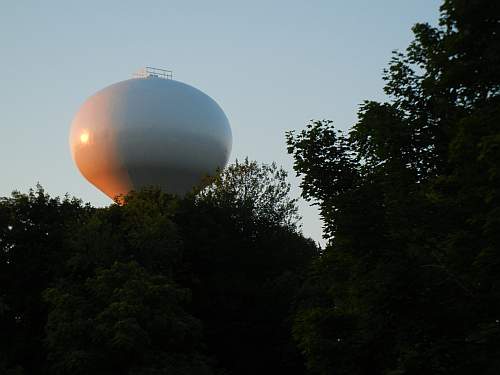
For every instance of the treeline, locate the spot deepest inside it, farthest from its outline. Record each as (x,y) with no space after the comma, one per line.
(223,282)
(158,285)
(410,200)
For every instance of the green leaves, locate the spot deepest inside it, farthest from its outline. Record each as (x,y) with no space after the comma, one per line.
(259,190)
(155,285)
(245,260)
(119,319)
(409,198)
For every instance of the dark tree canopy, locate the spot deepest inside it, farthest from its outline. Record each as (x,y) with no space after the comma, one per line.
(155,285)
(409,283)
(32,255)
(246,261)
(261,191)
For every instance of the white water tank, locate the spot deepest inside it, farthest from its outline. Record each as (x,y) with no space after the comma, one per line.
(149,131)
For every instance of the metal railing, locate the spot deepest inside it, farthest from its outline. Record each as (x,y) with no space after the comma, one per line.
(149,71)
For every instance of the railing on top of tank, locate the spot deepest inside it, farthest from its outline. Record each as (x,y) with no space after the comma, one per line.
(149,71)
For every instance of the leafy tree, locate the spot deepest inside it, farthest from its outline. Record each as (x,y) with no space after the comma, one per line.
(118,309)
(122,320)
(244,260)
(259,190)
(156,284)
(409,198)
(33,227)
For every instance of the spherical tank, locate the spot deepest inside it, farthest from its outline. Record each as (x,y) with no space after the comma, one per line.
(149,131)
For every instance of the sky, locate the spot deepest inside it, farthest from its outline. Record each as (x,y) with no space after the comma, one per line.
(271,65)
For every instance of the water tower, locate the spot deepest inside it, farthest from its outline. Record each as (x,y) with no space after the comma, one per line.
(149,131)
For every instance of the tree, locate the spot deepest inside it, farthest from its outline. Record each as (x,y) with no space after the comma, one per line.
(33,228)
(259,190)
(156,284)
(409,198)
(244,260)
(119,309)
(123,320)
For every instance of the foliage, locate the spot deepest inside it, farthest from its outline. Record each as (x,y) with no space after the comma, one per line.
(154,285)
(245,261)
(32,255)
(261,191)
(119,310)
(409,282)
(122,320)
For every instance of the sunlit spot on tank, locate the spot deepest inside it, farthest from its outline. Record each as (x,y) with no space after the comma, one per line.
(84,137)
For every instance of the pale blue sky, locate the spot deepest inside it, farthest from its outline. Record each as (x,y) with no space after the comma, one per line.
(271,65)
